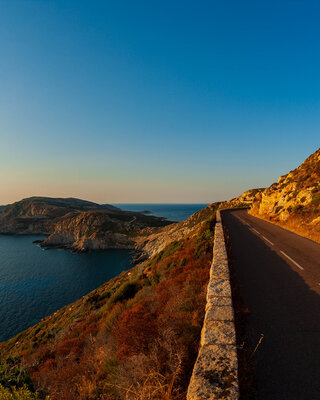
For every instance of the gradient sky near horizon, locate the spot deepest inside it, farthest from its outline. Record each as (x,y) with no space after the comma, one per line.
(155,101)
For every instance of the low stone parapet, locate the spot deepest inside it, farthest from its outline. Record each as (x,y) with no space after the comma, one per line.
(215,373)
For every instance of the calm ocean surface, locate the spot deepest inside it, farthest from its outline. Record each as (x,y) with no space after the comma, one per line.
(173,212)
(35,283)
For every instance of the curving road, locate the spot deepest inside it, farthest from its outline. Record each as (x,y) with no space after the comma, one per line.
(278,279)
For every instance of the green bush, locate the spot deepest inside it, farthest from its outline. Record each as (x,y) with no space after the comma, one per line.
(154,278)
(183,261)
(13,375)
(126,291)
(22,393)
(112,317)
(171,266)
(95,299)
(110,367)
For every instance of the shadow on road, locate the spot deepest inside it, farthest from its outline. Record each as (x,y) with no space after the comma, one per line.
(277,320)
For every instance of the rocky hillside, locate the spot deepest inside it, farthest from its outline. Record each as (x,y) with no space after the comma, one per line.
(135,337)
(76,224)
(37,215)
(245,200)
(82,226)
(294,201)
(101,230)
(152,240)
(50,207)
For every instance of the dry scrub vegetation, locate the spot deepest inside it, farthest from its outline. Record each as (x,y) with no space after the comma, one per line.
(135,337)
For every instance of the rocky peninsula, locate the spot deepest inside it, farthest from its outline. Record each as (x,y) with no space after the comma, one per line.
(78,225)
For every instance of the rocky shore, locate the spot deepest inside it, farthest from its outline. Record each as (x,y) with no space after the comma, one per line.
(76,224)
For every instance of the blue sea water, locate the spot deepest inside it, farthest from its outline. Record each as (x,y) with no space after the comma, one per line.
(173,212)
(35,283)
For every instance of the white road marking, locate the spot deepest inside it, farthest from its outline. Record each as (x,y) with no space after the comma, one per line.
(272,244)
(245,222)
(269,241)
(295,263)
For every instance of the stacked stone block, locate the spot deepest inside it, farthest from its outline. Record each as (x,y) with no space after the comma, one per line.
(215,374)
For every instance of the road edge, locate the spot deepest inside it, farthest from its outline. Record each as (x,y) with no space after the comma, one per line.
(215,373)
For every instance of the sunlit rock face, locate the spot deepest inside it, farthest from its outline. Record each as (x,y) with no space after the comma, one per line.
(246,199)
(294,200)
(76,224)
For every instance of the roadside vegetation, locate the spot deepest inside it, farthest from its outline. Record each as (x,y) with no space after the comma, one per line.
(135,337)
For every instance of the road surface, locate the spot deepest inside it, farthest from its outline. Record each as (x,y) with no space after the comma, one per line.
(278,279)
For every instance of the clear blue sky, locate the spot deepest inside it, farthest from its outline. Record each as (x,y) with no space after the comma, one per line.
(155,101)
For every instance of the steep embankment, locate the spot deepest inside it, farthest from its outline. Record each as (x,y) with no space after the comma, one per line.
(136,336)
(294,201)
(150,241)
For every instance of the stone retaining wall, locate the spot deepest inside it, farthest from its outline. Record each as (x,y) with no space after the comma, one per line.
(215,373)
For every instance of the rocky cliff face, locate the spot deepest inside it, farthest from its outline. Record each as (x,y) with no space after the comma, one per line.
(294,201)
(89,230)
(97,230)
(75,224)
(246,199)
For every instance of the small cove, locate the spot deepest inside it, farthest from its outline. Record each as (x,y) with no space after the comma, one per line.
(35,282)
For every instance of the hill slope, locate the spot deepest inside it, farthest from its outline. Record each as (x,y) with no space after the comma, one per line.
(294,201)
(245,200)
(135,337)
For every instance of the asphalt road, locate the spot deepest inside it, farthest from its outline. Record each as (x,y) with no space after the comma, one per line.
(278,279)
